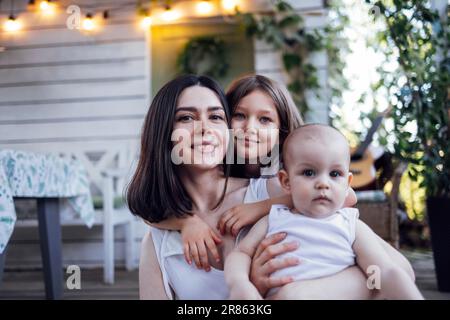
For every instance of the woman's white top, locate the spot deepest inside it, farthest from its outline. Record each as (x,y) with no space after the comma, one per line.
(184,281)
(325,245)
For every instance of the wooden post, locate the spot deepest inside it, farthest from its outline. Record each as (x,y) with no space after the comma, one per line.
(50,239)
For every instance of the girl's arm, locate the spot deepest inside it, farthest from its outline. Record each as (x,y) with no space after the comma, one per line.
(198,237)
(246,214)
(151,285)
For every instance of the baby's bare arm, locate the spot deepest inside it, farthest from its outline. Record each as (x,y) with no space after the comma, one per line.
(238,262)
(392,281)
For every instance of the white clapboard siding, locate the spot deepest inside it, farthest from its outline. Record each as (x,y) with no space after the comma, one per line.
(269,63)
(31,113)
(72,89)
(15,57)
(52,74)
(68,129)
(62,90)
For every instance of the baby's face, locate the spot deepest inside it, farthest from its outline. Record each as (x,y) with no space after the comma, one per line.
(318,177)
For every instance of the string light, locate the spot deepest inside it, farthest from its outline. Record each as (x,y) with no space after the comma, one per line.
(169,14)
(204,7)
(146,22)
(47,7)
(31,4)
(12,24)
(88,23)
(44,5)
(229,5)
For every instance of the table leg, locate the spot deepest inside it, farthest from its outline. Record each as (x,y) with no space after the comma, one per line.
(2,264)
(50,239)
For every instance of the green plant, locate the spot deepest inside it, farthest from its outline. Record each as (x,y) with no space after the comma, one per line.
(284,29)
(418,39)
(204,55)
(337,47)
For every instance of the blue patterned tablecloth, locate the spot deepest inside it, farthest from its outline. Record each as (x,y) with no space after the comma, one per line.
(28,174)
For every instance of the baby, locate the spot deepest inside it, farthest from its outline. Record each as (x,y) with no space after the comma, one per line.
(316,175)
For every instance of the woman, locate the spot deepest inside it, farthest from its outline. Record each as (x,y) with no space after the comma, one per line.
(191,109)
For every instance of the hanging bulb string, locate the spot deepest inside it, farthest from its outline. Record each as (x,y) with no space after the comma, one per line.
(11,13)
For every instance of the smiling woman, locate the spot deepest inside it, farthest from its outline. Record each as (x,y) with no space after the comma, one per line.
(191,107)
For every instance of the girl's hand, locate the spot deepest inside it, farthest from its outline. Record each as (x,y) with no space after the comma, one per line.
(240,216)
(264,263)
(197,237)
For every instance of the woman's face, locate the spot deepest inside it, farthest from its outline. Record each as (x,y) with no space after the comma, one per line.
(200,132)
(255,123)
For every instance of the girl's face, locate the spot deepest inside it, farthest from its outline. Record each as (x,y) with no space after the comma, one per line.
(200,131)
(255,123)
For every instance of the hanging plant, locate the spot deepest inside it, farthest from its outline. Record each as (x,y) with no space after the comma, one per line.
(204,56)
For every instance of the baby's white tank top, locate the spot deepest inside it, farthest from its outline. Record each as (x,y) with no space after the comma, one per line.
(325,245)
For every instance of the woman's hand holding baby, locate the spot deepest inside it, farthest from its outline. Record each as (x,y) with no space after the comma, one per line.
(264,262)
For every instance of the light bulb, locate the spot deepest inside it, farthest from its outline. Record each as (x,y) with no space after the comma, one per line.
(229,5)
(204,7)
(12,25)
(88,23)
(146,22)
(170,14)
(44,5)
(47,7)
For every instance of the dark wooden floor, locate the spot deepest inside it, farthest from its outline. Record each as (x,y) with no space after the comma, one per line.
(423,264)
(29,285)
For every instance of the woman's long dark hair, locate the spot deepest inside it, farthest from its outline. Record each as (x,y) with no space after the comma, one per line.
(155,192)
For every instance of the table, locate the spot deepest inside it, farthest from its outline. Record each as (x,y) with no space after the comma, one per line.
(47,178)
